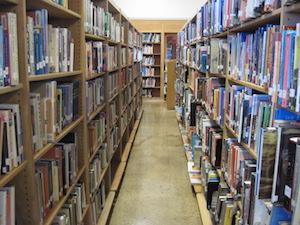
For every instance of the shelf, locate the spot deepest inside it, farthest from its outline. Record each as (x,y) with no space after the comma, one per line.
(219,35)
(5,178)
(157,76)
(54,9)
(112,98)
(52,76)
(61,202)
(250,85)
(250,150)
(126,152)
(113,70)
(110,42)
(9,2)
(262,20)
(216,75)
(151,65)
(154,54)
(123,66)
(106,211)
(96,149)
(123,44)
(64,132)
(151,87)
(190,87)
(94,37)
(294,8)
(204,212)
(96,75)
(151,43)
(118,177)
(8,89)
(96,112)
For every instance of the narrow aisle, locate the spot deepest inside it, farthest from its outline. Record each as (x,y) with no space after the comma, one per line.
(156,189)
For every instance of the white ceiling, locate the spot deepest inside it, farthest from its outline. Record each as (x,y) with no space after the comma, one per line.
(160,9)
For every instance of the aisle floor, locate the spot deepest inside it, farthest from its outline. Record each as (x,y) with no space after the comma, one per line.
(156,189)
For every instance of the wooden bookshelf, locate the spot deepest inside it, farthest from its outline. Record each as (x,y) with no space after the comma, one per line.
(23,176)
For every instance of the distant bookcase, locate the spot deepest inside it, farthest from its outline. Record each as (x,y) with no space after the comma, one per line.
(238,80)
(70,102)
(151,67)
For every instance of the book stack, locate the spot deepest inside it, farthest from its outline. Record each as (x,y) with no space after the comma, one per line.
(95,62)
(123,56)
(113,113)
(148,49)
(7,205)
(94,94)
(96,131)
(9,59)
(94,21)
(149,82)
(112,28)
(151,38)
(113,84)
(73,209)
(112,57)
(50,49)
(98,202)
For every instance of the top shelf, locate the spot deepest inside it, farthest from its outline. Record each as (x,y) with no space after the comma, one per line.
(295,8)
(54,10)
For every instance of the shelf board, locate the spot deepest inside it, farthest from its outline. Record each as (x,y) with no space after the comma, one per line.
(222,34)
(64,132)
(149,54)
(111,99)
(126,152)
(61,202)
(151,65)
(113,70)
(52,76)
(216,75)
(97,111)
(8,89)
(156,87)
(94,37)
(248,84)
(151,43)
(259,21)
(250,150)
(123,44)
(9,2)
(204,212)
(95,75)
(118,177)
(293,111)
(294,8)
(190,87)
(110,42)
(5,178)
(158,76)
(123,66)
(54,9)
(108,206)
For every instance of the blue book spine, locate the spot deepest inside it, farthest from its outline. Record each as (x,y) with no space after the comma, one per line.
(1,58)
(6,60)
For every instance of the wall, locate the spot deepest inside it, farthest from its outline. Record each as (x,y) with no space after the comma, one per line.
(159,9)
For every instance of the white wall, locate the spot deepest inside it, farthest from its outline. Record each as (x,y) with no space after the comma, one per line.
(159,9)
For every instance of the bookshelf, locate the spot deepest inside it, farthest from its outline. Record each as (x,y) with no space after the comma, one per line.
(216,68)
(90,104)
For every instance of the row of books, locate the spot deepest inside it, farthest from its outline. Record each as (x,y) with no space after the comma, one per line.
(112,57)
(96,131)
(199,57)
(8,205)
(95,61)
(113,111)
(113,84)
(54,105)
(95,94)
(149,82)
(150,60)
(96,167)
(73,209)
(56,172)
(98,202)
(11,148)
(151,38)
(114,137)
(148,71)
(123,78)
(50,49)
(9,58)
(218,15)
(101,23)
(123,57)
(148,49)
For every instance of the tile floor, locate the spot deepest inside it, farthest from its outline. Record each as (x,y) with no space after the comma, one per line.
(156,188)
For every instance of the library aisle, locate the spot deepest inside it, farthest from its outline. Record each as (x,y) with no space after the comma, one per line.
(156,189)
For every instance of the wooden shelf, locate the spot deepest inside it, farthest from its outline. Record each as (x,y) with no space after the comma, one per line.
(54,9)
(250,150)
(58,205)
(204,212)
(150,54)
(219,35)
(118,177)
(151,65)
(155,76)
(260,21)
(294,8)
(8,89)
(9,2)
(151,43)
(96,75)
(113,70)
(125,155)
(94,37)
(110,42)
(103,172)
(250,85)
(216,75)
(5,178)
(62,134)
(96,149)
(108,206)
(52,76)
(112,98)
(156,87)
(96,112)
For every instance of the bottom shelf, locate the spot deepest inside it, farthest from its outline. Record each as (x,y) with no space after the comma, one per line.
(204,212)
(107,208)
